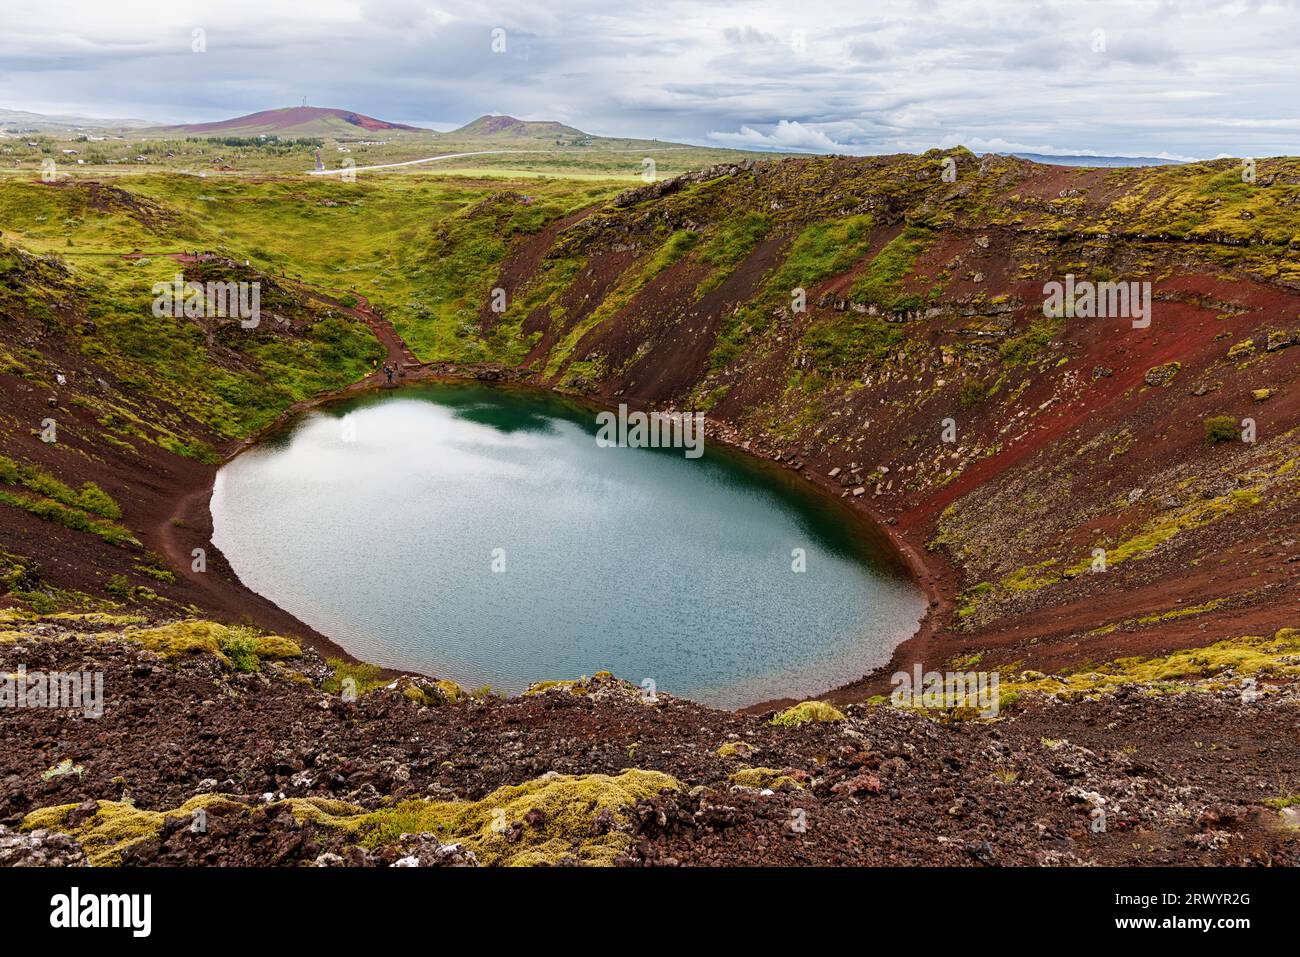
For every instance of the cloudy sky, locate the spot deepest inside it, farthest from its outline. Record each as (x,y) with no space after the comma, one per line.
(1177,78)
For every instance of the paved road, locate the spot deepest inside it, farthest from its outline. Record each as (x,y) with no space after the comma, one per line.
(429,159)
(447,156)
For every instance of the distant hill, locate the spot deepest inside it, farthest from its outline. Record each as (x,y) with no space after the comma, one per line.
(291,121)
(1108,161)
(507,127)
(25,121)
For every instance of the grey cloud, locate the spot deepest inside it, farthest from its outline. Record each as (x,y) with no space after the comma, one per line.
(896,74)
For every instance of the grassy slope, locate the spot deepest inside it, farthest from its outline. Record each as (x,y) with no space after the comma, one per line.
(293,153)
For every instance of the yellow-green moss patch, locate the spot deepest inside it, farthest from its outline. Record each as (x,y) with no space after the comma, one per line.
(543,821)
(764,778)
(1188,670)
(736,749)
(1165,526)
(98,618)
(115,826)
(542,687)
(236,646)
(808,711)
(359,676)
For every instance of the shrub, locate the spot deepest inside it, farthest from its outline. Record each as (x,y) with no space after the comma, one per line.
(973,391)
(1220,428)
(240,646)
(94,499)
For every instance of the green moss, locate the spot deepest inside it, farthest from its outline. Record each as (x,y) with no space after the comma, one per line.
(881,284)
(1027,346)
(820,250)
(363,675)
(89,498)
(972,392)
(430,693)
(733,240)
(736,749)
(1220,428)
(1165,526)
(764,778)
(236,646)
(556,814)
(76,519)
(1175,613)
(115,826)
(154,566)
(969,600)
(542,687)
(1031,578)
(99,618)
(1192,669)
(808,711)
(837,343)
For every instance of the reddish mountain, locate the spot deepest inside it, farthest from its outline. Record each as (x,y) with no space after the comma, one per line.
(294,121)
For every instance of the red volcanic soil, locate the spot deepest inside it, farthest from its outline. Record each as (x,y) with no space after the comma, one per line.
(1080,426)
(1082,418)
(1073,445)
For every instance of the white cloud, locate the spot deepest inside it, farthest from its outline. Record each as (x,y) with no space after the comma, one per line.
(831,75)
(786,135)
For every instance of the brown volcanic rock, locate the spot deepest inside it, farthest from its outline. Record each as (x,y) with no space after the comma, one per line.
(1016,791)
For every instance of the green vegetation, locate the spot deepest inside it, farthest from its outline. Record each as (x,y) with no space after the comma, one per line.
(364,677)
(549,820)
(1221,665)
(973,392)
(1026,347)
(764,778)
(238,647)
(838,343)
(89,498)
(817,252)
(732,242)
(807,711)
(1221,428)
(116,826)
(882,283)
(69,516)
(736,749)
(1161,528)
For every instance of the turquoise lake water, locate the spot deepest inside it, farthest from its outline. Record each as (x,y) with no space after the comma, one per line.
(481,534)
